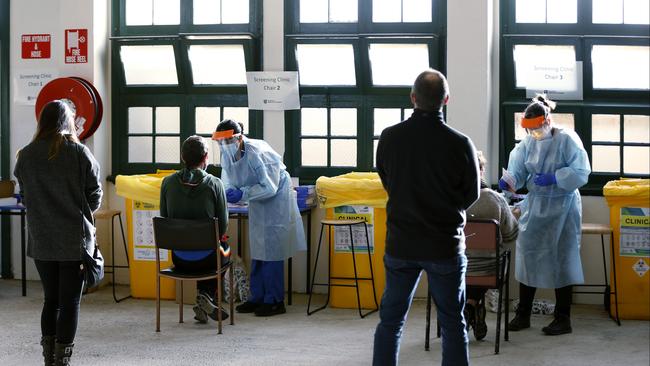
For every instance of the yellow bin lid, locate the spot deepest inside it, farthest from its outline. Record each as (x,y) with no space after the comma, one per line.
(637,188)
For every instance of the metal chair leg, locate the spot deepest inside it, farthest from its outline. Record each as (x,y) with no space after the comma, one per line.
(372,274)
(356,278)
(157,303)
(313,278)
(614,283)
(427,329)
(232,295)
(180,304)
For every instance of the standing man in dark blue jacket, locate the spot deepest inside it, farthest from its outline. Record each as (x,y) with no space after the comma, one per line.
(431,175)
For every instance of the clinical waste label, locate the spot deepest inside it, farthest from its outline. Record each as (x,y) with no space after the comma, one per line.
(144,248)
(635,232)
(342,241)
(640,267)
(35,46)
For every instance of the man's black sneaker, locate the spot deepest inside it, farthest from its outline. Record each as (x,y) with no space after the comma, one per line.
(207,304)
(247,307)
(560,325)
(270,309)
(200,315)
(469,315)
(480,327)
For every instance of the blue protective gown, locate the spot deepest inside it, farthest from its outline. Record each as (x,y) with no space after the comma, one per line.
(275,226)
(548,246)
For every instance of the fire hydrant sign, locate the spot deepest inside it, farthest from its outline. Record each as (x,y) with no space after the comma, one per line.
(36,45)
(76,46)
(273,91)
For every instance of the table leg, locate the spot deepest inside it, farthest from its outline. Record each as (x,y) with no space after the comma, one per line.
(289,280)
(307,288)
(22,251)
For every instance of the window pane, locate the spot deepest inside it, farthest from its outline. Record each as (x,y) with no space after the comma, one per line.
(374,152)
(238,114)
(343,122)
(326,64)
(207,12)
(149,65)
(563,120)
(139,12)
(207,119)
(636,159)
(314,152)
(529,57)
(607,11)
(530,11)
(637,12)
(214,154)
(407,113)
(621,67)
(313,121)
(218,64)
(385,117)
(562,11)
(636,128)
(168,120)
(343,11)
(605,127)
(168,150)
(140,149)
(386,11)
(344,152)
(417,11)
(166,12)
(411,58)
(234,11)
(140,120)
(605,159)
(313,11)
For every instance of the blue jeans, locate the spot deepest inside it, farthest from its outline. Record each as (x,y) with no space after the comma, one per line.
(447,286)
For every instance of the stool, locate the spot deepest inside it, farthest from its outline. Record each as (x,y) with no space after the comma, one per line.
(356,278)
(602,230)
(111,215)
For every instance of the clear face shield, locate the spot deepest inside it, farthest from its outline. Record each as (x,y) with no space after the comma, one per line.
(229,144)
(538,127)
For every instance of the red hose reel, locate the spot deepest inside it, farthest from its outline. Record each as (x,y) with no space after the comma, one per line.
(81,96)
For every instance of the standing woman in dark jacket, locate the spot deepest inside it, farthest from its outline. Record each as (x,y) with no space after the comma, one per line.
(59,179)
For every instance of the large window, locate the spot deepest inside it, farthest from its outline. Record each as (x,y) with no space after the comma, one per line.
(357,60)
(593,57)
(179,67)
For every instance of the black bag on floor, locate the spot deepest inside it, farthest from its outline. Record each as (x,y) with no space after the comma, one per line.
(93,268)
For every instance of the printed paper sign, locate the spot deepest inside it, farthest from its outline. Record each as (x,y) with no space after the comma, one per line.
(143,240)
(76,46)
(635,232)
(342,240)
(560,81)
(273,91)
(640,267)
(28,83)
(35,45)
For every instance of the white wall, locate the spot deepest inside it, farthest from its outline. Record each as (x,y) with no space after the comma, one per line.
(53,17)
(472,70)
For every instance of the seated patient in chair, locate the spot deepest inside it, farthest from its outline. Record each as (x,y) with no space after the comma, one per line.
(191,193)
(490,205)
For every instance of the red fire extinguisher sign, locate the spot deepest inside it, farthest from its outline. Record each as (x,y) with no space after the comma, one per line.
(35,45)
(76,46)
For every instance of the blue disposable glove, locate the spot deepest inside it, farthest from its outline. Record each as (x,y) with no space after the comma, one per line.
(233,195)
(544,180)
(503,185)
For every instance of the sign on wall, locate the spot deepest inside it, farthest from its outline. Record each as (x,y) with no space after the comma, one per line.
(273,91)
(35,46)
(561,81)
(76,46)
(28,83)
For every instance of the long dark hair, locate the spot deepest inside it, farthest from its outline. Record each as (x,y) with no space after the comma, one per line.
(56,125)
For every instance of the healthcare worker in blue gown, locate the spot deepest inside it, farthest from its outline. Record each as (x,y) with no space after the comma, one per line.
(253,173)
(552,164)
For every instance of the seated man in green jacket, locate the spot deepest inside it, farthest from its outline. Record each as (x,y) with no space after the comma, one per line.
(191,193)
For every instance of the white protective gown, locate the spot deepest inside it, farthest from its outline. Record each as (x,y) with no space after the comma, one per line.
(548,246)
(275,226)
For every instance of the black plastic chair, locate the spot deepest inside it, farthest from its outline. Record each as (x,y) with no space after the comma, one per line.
(179,234)
(483,235)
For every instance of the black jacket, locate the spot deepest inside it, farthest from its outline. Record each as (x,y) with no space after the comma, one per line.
(431,174)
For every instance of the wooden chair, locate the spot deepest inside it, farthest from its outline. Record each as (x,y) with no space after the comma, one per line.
(483,236)
(179,234)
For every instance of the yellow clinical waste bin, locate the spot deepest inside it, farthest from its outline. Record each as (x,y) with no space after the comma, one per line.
(348,196)
(629,215)
(142,194)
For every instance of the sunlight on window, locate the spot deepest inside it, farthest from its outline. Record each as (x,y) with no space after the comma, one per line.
(314,11)
(218,64)
(636,128)
(621,67)
(234,11)
(326,64)
(412,58)
(166,12)
(531,57)
(168,149)
(149,65)
(386,11)
(313,152)
(168,120)
(206,119)
(313,121)
(530,11)
(605,159)
(237,114)
(636,160)
(636,12)
(385,117)
(207,12)
(561,11)
(344,152)
(139,12)
(607,11)
(140,120)
(605,128)
(140,149)
(343,121)
(343,11)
